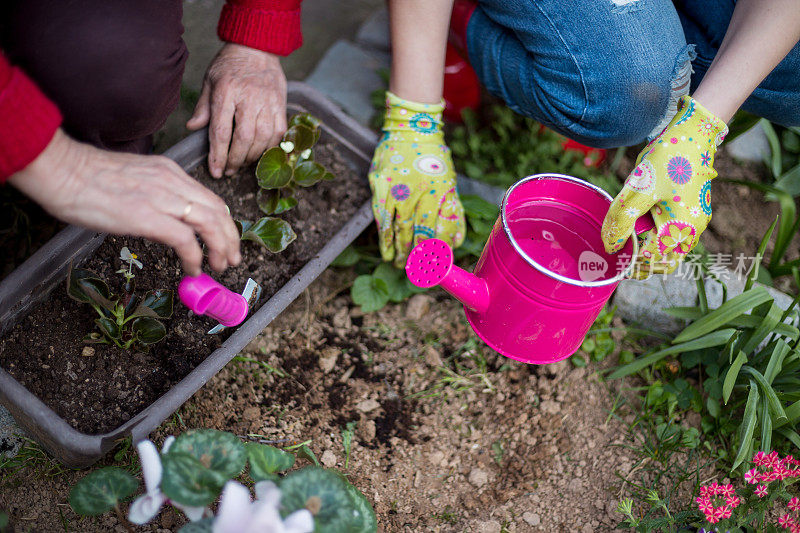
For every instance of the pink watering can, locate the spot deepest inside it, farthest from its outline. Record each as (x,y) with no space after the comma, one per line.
(544,274)
(205,296)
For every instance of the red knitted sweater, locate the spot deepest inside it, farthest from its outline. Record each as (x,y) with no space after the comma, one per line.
(28,119)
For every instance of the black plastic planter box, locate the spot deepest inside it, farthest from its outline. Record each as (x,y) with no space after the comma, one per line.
(29,284)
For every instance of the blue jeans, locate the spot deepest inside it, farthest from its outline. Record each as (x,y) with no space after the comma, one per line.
(609,73)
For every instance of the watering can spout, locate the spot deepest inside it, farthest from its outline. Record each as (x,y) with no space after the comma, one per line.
(430,263)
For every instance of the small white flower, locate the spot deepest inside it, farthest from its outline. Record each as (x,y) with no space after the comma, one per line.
(305,154)
(129,257)
(287,146)
(147,506)
(238,514)
(631,212)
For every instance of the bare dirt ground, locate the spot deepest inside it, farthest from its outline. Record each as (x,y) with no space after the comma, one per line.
(449,437)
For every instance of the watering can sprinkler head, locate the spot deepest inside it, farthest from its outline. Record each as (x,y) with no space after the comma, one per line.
(430,263)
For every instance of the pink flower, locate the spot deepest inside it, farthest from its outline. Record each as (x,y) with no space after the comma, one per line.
(723,512)
(711,518)
(758,458)
(751,476)
(761,491)
(727,490)
(771,460)
(785,521)
(794,504)
(733,502)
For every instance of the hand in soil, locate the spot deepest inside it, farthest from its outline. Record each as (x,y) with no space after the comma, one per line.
(147,196)
(244,102)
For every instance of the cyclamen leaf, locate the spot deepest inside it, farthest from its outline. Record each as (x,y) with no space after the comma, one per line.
(335,505)
(309,121)
(302,136)
(271,202)
(101,491)
(397,283)
(148,330)
(187,481)
(273,170)
(266,461)
(272,233)
(220,451)
(363,518)
(108,327)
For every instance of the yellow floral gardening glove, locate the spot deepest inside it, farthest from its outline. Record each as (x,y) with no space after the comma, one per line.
(672,179)
(413,181)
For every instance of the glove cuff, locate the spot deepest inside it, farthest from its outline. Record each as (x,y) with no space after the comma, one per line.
(707,125)
(412,117)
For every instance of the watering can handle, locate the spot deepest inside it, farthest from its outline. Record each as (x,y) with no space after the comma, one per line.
(643,224)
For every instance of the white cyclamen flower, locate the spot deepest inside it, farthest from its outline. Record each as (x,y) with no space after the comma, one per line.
(129,257)
(238,514)
(148,505)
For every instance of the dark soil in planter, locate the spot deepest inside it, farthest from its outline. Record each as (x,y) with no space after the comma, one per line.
(99,392)
(24,228)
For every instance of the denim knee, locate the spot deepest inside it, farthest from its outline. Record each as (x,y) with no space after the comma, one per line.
(630,101)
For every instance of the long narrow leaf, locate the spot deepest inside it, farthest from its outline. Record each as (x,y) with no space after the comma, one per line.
(790,435)
(790,181)
(766,390)
(701,294)
(716,338)
(775,362)
(774,162)
(731,309)
(747,426)
(766,327)
(766,426)
(732,374)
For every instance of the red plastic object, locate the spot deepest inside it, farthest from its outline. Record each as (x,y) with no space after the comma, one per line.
(462,89)
(459,19)
(593,156)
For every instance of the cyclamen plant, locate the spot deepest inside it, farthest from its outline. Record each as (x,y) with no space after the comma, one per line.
(767,493)
(197,468)
(128,321)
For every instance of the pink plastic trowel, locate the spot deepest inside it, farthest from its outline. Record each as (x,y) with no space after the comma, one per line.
(205,296)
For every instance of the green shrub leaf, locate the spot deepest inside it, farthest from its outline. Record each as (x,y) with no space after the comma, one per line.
(101,491)
(108,327)
(363,516)
(308,173)
(301,135)
(87,287)
(266,461)
(271,202)
(273,234)
(347,258)
(155,304)
(273,170)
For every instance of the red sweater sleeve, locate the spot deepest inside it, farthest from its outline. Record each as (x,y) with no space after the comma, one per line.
(269,25)
(28,120)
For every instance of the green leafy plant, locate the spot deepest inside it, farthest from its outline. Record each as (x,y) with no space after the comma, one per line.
(199,467)
(749,359)
(129,321)
(481,216)
(386,284)
(598,342)
(284,168)
(281,170)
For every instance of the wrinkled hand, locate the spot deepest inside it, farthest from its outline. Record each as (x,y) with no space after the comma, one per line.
(413,181)
(672,180)
(244,103)
(142,195)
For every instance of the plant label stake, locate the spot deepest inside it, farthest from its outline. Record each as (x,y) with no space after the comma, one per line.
(204,296)
(543,276)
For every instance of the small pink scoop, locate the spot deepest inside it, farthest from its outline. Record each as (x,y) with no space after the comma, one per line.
(204,296)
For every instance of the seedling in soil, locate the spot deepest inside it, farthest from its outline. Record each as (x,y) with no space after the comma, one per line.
(199,467)
(284,168)
(280,171)
(129,321)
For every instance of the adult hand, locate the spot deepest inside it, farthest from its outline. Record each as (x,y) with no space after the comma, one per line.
(243,101)
(413,181)
(672,180)
(144,195)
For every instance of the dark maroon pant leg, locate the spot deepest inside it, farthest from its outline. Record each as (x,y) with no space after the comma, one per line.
(113,67)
